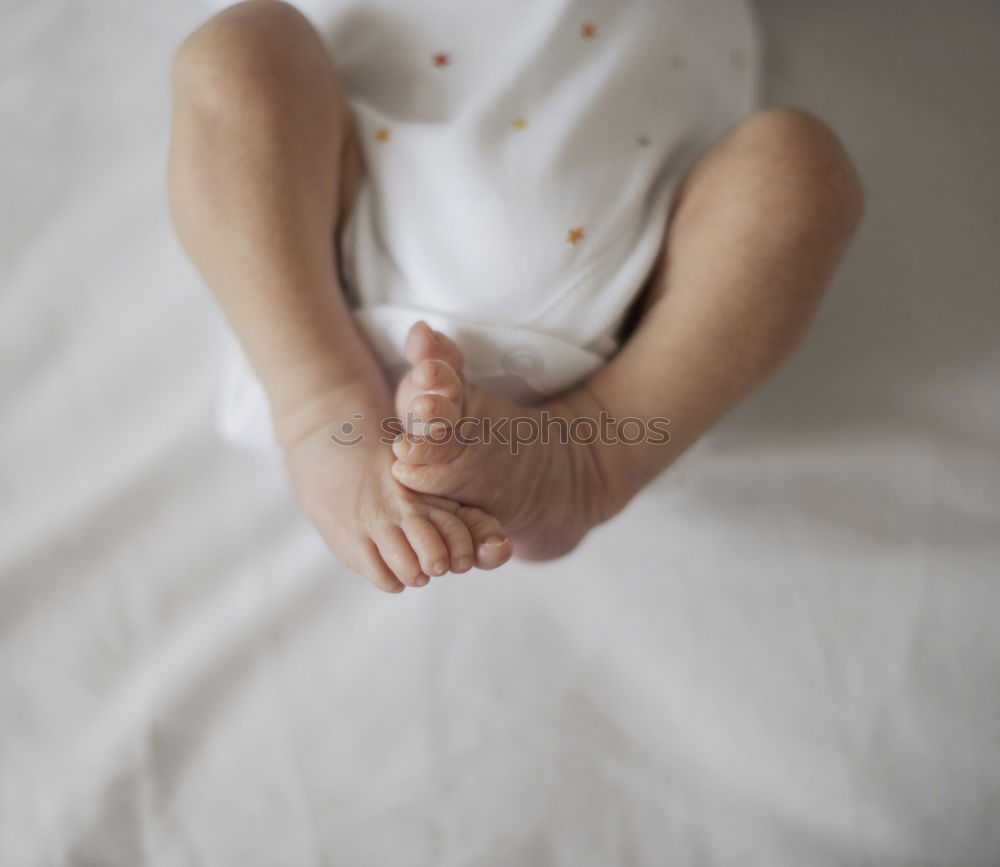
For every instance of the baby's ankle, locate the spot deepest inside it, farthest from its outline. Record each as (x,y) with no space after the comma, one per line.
(609,466)
(352,412)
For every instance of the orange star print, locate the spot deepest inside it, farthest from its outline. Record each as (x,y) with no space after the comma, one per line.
(575,235)
(382,134)
(588,31)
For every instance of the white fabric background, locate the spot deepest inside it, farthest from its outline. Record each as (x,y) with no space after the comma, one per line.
(783,653)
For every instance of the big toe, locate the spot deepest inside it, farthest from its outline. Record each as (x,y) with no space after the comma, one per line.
(431,390)
(423,342)
(492,545)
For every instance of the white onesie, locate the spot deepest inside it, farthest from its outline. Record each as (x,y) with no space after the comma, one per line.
(521,160)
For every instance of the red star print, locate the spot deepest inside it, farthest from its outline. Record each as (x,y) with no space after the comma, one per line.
(442,59)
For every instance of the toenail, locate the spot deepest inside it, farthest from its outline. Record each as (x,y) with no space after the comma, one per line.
(421,580)
(464,563)
(494,540)
(439,567)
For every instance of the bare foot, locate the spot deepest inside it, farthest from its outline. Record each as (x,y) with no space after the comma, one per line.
(391,535)
(548,495)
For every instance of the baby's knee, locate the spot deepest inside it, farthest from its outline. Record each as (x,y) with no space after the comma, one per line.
(230,59)
(811,154)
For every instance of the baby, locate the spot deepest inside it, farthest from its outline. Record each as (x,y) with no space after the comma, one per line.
(536,231)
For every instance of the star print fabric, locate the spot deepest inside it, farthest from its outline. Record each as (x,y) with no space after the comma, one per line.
(522,159)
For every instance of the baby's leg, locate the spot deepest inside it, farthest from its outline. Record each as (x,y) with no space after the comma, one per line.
(263,165)
(759,228)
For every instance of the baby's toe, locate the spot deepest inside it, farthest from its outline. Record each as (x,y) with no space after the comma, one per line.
(455,533)
(426,478)
(423,342)
(430,410)
(373,569)
(439,376)
(426,542)
(400,558)
(492,545)
(429,377)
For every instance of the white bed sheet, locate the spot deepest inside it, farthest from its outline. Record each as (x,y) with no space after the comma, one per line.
(784,653)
